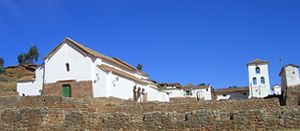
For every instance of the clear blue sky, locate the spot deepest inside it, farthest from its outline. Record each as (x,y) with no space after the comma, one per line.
(187,41)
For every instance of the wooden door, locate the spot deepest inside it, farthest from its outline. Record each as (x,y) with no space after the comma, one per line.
(66,91)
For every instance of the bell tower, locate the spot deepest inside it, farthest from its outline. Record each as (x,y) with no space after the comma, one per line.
(259,83)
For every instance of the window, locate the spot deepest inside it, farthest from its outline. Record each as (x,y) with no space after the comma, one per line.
(257,70)
(262,80)
(189,92)
(224,95)
(244,94)
(254,81)
(68,67)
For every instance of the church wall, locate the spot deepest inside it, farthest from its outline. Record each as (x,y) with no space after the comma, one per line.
(79,65)
(292,76)
(32,88)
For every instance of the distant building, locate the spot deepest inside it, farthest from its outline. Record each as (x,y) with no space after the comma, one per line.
(199,92)
(232,93)
(276,90)
(175,90)
(289,76)
(289,79)
(259,83)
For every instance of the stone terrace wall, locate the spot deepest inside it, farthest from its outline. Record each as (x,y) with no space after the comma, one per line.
(8,93)
(293,96)
(56,113)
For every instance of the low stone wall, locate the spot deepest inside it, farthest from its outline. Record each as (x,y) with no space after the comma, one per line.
(119,105)
(57,113)
(293,96)
(8,93)
(88,119)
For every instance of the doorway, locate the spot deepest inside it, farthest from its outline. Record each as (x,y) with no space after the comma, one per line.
(66,91)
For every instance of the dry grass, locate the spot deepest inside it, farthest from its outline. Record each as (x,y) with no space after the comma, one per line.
(8,86)
(9,78)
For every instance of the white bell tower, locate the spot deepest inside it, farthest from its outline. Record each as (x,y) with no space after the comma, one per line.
(259,82)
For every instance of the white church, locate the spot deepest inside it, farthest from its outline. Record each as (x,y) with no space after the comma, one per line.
(73,70)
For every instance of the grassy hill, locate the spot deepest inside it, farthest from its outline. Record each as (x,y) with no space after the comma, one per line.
(9,77)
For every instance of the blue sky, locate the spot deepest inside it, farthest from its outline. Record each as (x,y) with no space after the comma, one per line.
(187,41)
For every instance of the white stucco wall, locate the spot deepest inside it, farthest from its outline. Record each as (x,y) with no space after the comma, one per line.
(99,83)
(80,65)
(156,95)
(32,88)
(292,76)
(233,95)
(121,87)
(174,92)
(259,90)
(276,90)
(203,93)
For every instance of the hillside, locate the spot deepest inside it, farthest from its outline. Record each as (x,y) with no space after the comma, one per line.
(11,74)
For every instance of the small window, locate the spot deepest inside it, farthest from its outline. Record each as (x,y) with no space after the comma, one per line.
(298,100)
(68,67)
(254,81)
(224,95)
(262,80)
(257,70)
(293,72)
(189,93)
(244,94)
(207,89)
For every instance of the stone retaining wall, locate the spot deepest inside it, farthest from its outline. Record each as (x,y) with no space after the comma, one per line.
(57,113)
(44,118)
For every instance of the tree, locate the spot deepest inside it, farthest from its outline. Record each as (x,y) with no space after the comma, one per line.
(1,65)
(139,67)
(29,58)
(21,59)
(202,84)
(233,86)
(34,53)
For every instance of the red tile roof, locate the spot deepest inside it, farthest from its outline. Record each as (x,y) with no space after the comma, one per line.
(119,72)
(257,62)
(231,90)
